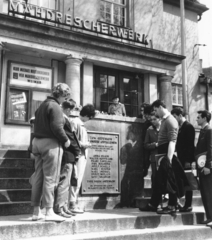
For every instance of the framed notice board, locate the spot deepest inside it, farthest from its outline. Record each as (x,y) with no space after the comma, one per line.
(102,169)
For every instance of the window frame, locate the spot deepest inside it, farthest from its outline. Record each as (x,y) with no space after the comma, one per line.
(125,6)
(119,90)
(28,89)
(177,94)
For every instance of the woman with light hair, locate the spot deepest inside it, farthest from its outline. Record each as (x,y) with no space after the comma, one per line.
(49,138)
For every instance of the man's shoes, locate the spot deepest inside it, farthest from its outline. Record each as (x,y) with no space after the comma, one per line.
(148,208)
(63,214)
(206,221)
(69,212)
(167,210)
(185,209)
(209,224)
(54,218)
(38,217)
(76,210)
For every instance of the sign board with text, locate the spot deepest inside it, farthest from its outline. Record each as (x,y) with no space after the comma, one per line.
(102,170)
(30,76)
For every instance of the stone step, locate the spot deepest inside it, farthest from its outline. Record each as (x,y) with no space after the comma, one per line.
(173,233)
(15,208)
(142,202)
(15,195)
(12,153)
(14,183)
(16,163)
(16,172)
(21,226)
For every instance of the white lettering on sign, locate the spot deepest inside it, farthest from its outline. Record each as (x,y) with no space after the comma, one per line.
(55,16)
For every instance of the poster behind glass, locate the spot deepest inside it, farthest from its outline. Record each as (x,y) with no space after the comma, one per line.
(18,105)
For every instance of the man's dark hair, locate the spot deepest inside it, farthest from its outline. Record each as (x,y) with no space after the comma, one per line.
(88,110)
(154,115)
(115,97)
(72,100)
(68,104)
(147,109)
(178,111)
(205,114)
(158,103)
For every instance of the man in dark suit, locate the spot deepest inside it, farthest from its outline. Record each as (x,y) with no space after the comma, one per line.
(204,144)
(185,149)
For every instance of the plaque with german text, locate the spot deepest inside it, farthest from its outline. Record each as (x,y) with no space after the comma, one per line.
(102,169)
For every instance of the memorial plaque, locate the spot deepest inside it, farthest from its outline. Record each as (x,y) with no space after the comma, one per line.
(102,169)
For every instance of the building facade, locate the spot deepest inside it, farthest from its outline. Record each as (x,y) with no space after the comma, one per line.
(100,48)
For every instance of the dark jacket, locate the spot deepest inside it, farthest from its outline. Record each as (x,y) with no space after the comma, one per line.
(204,144)
(49,121)
(70,153)
(185,143)
(170,178)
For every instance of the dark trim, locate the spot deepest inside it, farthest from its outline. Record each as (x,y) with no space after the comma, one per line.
(191,5)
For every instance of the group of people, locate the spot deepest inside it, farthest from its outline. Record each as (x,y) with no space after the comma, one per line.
(59,146)
(169,148)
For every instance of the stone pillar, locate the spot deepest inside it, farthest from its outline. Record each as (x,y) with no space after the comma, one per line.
(165,91)
(73,77)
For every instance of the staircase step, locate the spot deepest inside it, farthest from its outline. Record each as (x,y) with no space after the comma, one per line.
(14,183)
(21,227)
(173,233)
(15,195)
(16,172)
(15,208)
(16,163)
(9,153)
(142,202)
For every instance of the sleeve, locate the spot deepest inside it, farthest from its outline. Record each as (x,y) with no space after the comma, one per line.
(172,130)
(147,142)
(209,147)
(57,122)
(190,136)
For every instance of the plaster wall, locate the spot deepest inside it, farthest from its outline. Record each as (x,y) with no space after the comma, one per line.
(171,42)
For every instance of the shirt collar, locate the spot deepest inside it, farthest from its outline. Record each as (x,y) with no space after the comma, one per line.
(166,115)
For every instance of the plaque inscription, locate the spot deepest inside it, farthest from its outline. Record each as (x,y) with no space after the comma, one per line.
(102,169)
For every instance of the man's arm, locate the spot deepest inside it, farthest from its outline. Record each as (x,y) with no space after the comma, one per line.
(171,150)
(148,144)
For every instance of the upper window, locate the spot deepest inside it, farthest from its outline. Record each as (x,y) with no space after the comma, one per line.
(177,95)
(113,12)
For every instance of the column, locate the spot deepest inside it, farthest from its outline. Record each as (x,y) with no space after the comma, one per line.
(73,77)
(87,84)
(165,91)
(150,87)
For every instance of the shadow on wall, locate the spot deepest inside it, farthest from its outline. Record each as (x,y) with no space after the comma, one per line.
(131,157)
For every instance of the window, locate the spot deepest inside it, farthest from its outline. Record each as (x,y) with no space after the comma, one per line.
(28,85)
(177,95)
(130,91)
(127,86)
(113,12)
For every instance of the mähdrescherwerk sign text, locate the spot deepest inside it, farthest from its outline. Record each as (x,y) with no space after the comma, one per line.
(34,11)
